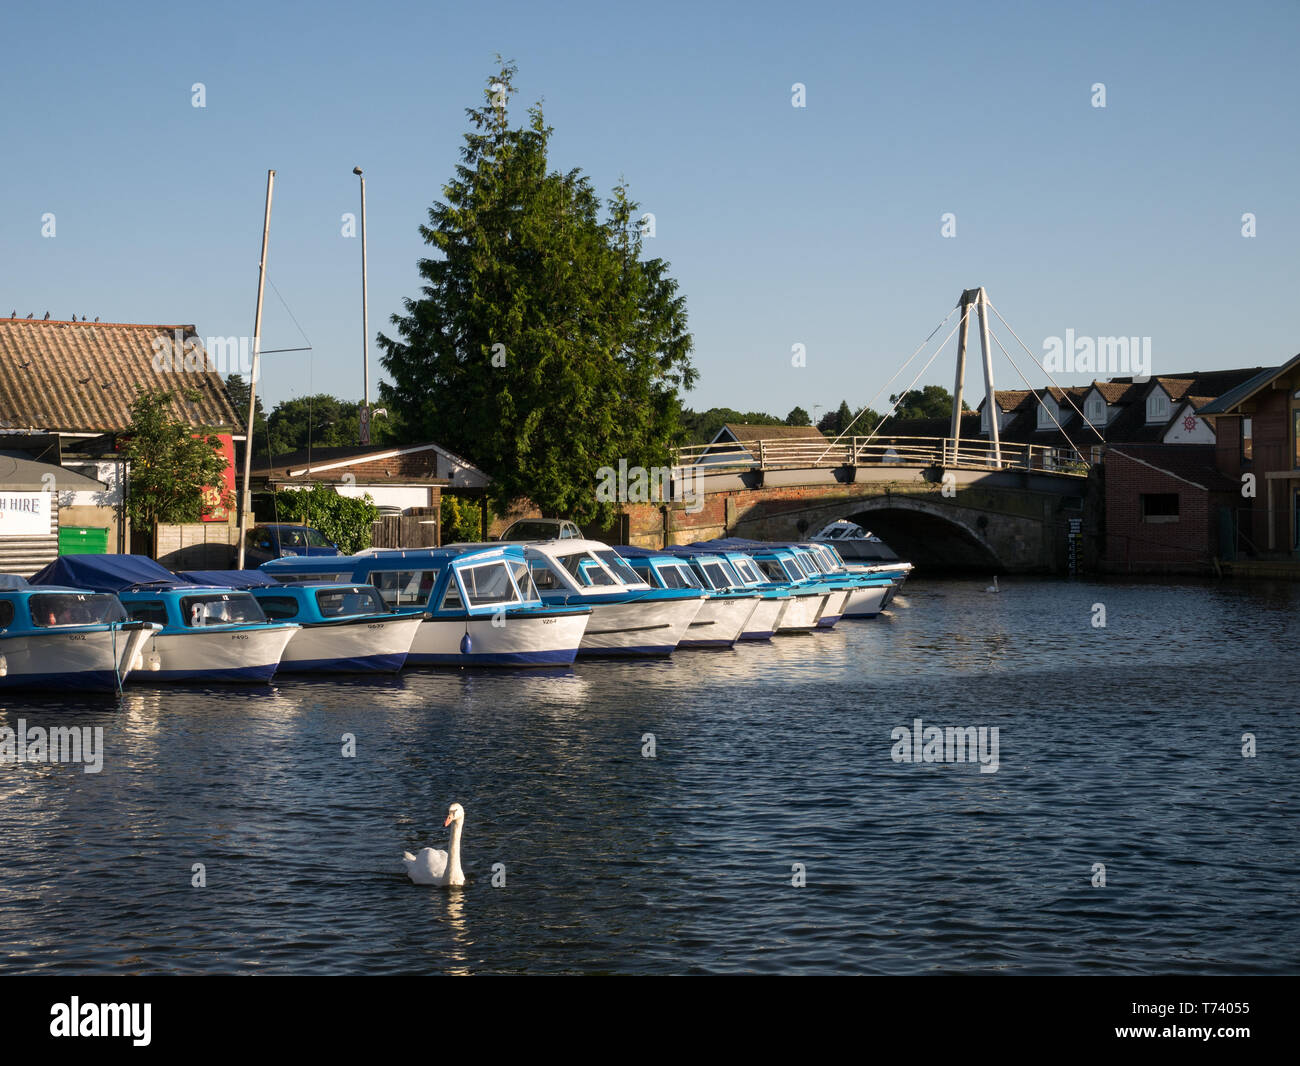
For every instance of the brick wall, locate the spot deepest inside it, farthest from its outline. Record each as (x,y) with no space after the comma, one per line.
(1134,545)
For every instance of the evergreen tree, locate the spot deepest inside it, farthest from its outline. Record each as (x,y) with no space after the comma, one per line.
(798,417)
(544,346)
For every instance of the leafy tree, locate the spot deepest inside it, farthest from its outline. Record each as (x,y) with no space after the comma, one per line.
(347,521)
(798,417)
(933,401)
(326,421)
(175,472)
(701,427)
(544,346)
(237,390)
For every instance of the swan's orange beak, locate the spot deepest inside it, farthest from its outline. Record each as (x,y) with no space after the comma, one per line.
(447,822)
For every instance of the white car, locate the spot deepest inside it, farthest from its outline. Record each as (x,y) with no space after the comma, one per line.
(541,529)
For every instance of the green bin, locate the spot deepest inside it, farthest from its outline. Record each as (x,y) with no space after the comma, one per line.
(83,540)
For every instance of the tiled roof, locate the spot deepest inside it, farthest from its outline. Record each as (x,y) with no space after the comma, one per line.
(744,432)
(81,377)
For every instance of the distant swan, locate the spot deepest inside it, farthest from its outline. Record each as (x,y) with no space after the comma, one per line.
(993,587)
(434,867)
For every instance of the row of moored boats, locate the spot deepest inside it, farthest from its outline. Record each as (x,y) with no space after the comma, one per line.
(92,622)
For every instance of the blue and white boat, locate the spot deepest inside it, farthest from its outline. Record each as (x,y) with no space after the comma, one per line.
(345,627)
(52,637)
(629,617)
(724,615)
(207,633)
(873,590)
(479,604)
(728,567)
(786,562)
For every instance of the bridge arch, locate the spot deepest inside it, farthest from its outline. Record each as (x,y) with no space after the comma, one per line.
(936,537)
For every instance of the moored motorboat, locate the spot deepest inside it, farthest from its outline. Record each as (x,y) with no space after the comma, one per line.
(61,638)
(724,615)
(479,604)
(345,627)
(204,634)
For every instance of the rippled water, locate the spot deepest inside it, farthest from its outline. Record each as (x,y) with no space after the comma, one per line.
(1118,745)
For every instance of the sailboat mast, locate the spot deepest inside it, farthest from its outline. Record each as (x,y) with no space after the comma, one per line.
(246,498)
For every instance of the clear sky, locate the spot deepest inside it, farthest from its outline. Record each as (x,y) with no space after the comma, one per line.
(818,226)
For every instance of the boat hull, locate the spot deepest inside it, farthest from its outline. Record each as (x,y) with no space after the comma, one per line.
(210,654)
(720,621)
(868,601)
(70,660)
(762,623)
(357,645)
(535,638)
(641,626)
(801,612)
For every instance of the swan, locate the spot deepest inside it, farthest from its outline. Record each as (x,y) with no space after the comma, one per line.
(993,587)
(434,867)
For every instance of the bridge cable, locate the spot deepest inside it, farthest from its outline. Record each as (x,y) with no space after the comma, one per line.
(1040,366)
(886,385)
(1068,440)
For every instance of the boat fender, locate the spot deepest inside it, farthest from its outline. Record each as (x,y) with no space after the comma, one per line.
(466,644)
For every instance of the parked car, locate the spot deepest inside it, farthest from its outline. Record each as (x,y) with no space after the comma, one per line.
(541,529)
(278,540)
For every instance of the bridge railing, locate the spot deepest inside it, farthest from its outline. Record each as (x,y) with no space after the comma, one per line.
(971,454)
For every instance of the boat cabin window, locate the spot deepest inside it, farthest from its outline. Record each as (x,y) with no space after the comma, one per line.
(773,571)
(670,576)
(619,565)
(148,611)
(75,609)
(451,600)
(524,580)
(688,576)
(6,614)
(747,571)
(344,603)
(404,587)
(220,609)
(279,608)
(544,576)
(805,564)
(586,569)
(489,583)
(717,575)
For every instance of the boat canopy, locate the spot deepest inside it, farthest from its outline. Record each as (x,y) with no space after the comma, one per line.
(232,579)
(106,573)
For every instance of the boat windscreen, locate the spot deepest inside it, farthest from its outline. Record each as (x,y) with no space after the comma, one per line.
(404,588)
(619,565)
(221,609)
(489,583)
(75,609)
(345,603)
(586,569)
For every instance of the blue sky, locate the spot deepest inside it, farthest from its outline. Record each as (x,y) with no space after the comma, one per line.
(817,226)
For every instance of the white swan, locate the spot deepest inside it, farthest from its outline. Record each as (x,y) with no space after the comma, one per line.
(993,587)
(434,867)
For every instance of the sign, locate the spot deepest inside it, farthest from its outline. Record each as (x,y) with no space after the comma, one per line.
(1074,541)
(25,514)
(213,509)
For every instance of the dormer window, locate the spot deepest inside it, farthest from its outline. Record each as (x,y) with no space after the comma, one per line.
(1048,413)
(1095,410)
(1157,406)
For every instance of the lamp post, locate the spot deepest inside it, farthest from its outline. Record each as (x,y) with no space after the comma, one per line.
(364,419)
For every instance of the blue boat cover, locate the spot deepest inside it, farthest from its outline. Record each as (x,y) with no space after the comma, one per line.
(235,579)
(105,573)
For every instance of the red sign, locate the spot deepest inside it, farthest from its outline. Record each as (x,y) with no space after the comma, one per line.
(214,510)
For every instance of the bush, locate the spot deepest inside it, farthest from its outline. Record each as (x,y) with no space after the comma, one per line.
(461,519)
(345,520)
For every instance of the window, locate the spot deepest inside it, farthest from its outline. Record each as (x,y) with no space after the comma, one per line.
(404,587)
(451,600)
(6,614)
(717,575)
(75,609)
(544,576)
(489,583)
(1048,413)
(221,609)
(1159,506)
(524,580)
(1247,440)
(1157,406)
(148,611)
(619,565)
(586,569)
(348,603)
(1096,410)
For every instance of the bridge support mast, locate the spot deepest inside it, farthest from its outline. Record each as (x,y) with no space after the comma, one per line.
(978,299)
